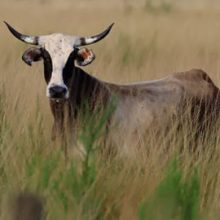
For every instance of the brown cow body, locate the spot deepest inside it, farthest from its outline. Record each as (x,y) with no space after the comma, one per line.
(139,106)
(143,105)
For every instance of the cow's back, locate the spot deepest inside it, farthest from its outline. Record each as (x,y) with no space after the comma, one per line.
(157,104)
(196,83)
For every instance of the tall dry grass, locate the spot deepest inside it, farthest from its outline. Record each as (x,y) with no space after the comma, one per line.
(149,41)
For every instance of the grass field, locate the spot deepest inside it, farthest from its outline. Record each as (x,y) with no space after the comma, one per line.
(150,39)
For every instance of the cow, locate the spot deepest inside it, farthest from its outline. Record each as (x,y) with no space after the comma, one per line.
(139,106)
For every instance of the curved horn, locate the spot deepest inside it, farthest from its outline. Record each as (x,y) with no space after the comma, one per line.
(82,41)
(25,38)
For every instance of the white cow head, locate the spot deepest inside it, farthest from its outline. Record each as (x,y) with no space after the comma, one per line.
(59,52)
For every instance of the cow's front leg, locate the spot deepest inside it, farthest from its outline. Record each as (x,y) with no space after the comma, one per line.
(57,109)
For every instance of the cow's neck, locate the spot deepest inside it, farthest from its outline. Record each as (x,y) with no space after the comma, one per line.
(86,91)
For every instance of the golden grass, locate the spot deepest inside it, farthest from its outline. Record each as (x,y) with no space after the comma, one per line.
(143,45)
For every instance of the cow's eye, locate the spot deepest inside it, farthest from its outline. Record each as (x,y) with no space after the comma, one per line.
(68,68)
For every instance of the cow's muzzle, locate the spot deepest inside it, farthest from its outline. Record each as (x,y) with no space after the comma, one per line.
(58,92)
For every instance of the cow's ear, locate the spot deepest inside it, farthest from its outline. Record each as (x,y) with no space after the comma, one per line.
(84,56)
(32,54)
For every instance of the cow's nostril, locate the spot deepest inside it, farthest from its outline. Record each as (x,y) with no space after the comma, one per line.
(57,92)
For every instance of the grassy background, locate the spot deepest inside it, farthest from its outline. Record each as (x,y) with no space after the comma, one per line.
(150,39)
